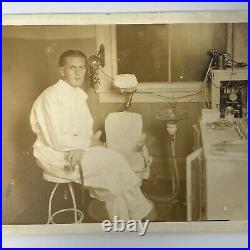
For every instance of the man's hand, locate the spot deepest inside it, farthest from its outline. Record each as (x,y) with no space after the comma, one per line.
(73,157)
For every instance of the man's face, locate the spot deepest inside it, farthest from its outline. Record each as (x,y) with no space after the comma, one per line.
(73,71)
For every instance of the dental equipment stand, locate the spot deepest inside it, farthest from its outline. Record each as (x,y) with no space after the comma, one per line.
(171,116)
(128,84)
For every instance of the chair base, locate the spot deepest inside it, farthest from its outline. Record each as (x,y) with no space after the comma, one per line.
(78,214)
(97,211)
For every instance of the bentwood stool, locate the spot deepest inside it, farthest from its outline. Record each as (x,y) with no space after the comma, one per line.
(78,214)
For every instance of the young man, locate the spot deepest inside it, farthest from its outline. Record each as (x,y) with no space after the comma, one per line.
(63,124)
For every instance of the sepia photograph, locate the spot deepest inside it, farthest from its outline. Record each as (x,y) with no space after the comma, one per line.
(137,119)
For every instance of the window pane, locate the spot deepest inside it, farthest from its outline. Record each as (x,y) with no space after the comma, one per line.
(143,50)
(190,44)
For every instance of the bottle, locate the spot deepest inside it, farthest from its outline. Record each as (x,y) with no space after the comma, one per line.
(229,113)
(221,61)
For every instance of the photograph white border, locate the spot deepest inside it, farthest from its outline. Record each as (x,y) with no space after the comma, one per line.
(131,18)
(145,18)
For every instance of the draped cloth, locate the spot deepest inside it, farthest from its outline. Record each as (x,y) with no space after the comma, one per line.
(61,119)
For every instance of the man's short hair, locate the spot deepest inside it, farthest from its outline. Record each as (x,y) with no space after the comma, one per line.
(71,53)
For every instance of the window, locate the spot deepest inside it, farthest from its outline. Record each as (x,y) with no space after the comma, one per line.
(168,52)
(169,59)
(143,50)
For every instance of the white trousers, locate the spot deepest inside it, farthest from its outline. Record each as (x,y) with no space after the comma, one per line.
(109,178)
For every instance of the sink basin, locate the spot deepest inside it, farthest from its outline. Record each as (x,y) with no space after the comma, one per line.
(172,114)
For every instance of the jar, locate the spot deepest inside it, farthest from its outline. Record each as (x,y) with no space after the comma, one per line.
(229,113)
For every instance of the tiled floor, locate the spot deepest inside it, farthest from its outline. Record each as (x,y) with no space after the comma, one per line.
(37,211)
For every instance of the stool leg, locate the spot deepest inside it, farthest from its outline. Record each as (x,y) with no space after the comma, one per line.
(50,203)
(73,199)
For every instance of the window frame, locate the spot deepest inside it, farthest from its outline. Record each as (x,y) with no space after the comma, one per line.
(106,35)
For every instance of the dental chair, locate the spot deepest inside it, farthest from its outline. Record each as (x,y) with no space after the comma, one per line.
(124,134)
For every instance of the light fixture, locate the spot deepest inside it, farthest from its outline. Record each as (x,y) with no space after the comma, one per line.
(126,83)
(95,62)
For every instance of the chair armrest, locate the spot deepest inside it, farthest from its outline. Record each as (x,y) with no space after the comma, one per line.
(147,159)
(143,148)
(96,139)
(97,135)
(142,140)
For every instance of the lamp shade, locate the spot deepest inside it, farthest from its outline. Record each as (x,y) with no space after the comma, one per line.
(125,81)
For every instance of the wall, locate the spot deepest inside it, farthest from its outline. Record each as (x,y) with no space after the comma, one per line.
(61,38)
(29,66)
(87,45)
(25,75)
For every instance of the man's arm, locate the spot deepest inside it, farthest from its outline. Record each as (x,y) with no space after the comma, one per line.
(51,120)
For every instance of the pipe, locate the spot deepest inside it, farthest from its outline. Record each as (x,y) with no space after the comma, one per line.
(175,167)
(128,103)
(175,179)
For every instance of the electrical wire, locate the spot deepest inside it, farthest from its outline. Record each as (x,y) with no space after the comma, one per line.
(167,97)
(154,94)
(205,100)
(204,95)
(230,79)
(106,74)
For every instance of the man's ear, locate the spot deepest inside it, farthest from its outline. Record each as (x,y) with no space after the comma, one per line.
(61,71)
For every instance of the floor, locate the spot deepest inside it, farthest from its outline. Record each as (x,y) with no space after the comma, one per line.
(159,191)
(37,211)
